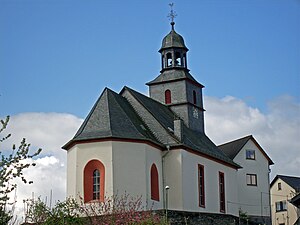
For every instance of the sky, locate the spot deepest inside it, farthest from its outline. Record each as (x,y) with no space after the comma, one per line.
(57,56)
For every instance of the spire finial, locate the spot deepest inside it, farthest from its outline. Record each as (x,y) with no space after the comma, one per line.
(172,15)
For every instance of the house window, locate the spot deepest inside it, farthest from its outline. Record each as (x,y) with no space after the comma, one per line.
(96,185)
(154,183)
(250,154)
(194,97)
(93,181)
(222,191)
(251,179)
(201,186)
(167,96)
(279,186)
(280,206)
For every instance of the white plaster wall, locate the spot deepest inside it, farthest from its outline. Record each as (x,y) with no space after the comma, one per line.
(79,156)
(132,164)
(190,163)
(285,194)
(71,171)
(254,200)
(129,162)
(173,178)
(154,155)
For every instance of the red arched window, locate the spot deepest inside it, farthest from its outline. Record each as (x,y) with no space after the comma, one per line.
(194,97)
(167,96)
(154,183)
(93,181)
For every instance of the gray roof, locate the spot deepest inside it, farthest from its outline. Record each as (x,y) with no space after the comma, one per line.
(173,40)
(112,117)
(232,148)
(196,141)
(296,201)
(173,74)
(294,182)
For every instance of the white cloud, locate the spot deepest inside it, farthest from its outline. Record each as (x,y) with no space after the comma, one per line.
(229,118)
(277,131)
(49,131)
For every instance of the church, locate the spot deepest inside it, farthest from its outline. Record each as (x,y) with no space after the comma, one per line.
(155,146)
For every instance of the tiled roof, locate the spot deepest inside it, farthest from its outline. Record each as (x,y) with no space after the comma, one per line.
(294,182)
(112,117)
(171,75)
(196,141)
(232,148)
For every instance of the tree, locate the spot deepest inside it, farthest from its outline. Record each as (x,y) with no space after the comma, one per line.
(11,168)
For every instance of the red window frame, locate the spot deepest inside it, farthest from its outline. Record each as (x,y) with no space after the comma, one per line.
(222,191)
(154,182)
(168,97)
(201,188)
(88,181)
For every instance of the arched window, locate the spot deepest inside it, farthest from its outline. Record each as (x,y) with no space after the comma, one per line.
(168,97)
(178,59)
(154,183)
(93,181)
(169,59)
(194,97)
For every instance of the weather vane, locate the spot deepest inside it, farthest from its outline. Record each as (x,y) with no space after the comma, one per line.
(172,13)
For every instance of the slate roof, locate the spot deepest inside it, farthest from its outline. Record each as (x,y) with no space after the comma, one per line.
(173,75)
(296,201)
(294,182)
(196,141)
(112,117)
(232,148)
(173,40)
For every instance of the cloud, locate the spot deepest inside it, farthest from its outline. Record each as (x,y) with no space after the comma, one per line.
(277,130)
(229,118)
(48,131)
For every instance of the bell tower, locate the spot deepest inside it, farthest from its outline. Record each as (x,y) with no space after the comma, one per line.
(175,86)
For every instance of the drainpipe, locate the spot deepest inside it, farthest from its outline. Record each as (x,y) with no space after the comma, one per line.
(163,175)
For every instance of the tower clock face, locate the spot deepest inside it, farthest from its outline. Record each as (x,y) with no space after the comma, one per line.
(195,113)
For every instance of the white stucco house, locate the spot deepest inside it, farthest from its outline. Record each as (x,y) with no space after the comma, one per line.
(285,200)
(140,144)
(253,178)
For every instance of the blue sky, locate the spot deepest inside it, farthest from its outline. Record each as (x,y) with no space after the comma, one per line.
(57,56)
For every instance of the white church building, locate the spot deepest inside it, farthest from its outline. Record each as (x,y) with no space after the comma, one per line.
(141,144)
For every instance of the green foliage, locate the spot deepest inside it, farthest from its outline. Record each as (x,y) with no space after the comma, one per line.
(113,211)
(66,212)
(11,167)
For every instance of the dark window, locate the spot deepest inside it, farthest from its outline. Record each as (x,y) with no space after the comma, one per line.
(167,96)
(96,185)
(251,179)
(250,154)
(279,186)
(154,183)
(201,186)
(222,191)
(169,60)
(178,59)
(280,206)
(194,97)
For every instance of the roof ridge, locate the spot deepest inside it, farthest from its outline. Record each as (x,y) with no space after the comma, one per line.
(81,129)
(239,139)
(118,97)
